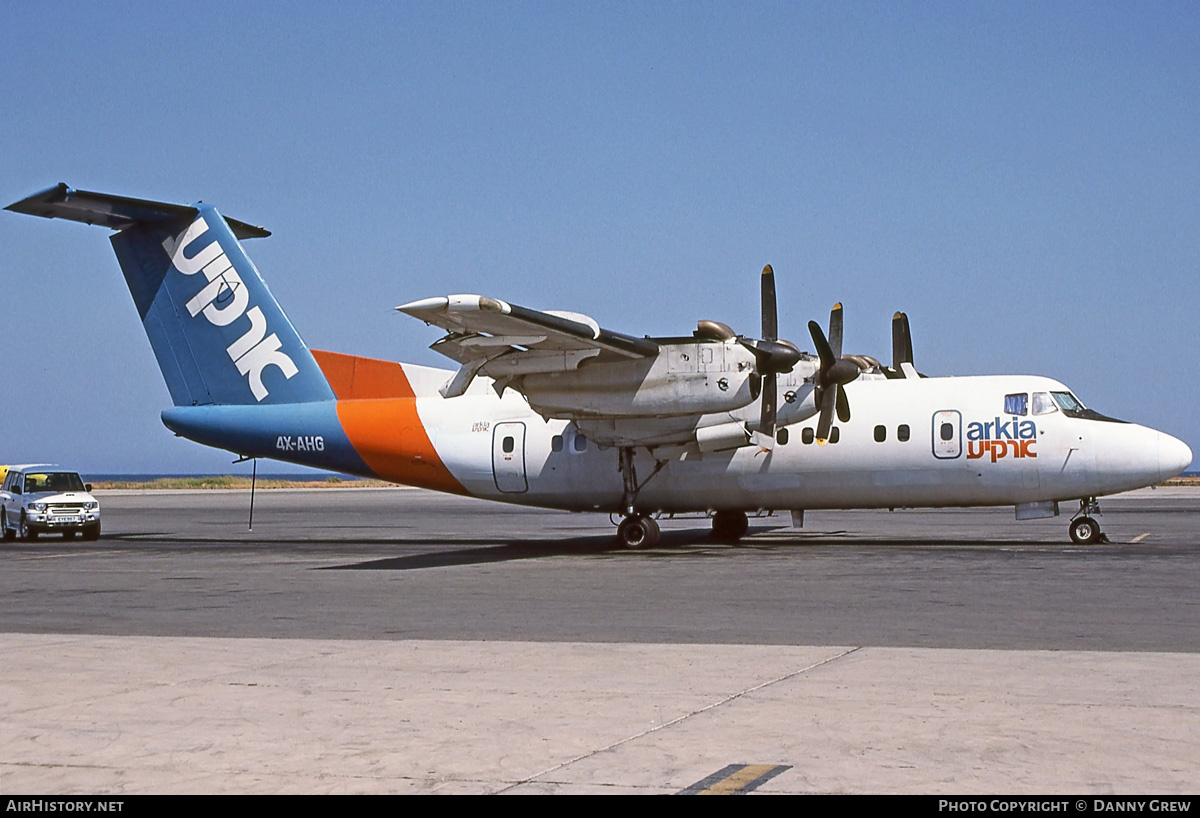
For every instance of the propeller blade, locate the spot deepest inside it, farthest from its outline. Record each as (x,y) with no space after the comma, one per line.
(823,351)
(901,341)
(825,422)
(766,421)
(835,329)
(770,315)
(843,406)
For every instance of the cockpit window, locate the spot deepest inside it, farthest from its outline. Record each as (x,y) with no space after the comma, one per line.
(1067,402)
(1016,404)
(1043,404)
(1072,408)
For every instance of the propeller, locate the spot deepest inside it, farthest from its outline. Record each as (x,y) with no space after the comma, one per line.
(902,351)
(772,356)
(834,372)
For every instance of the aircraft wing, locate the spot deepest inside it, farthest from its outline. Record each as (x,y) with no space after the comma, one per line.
(499,339)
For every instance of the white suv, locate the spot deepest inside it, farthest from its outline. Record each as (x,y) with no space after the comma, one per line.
(42,499)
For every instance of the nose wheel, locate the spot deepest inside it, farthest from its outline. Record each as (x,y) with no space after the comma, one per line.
(1084,529)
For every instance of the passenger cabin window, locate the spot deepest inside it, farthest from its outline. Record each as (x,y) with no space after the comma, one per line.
(507,445)
(947,431)
(880,434)
(1017,404)
(1043,404)
(806,436)
(556,443)
(835,434)
(781,437)
(580,443)
(902,433)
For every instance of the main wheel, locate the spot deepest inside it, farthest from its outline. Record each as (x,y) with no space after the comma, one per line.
(1085,531)
(9,534)
(26,532)
(638,532)
(729,526)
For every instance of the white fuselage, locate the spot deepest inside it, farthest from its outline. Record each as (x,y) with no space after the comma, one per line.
(961,450)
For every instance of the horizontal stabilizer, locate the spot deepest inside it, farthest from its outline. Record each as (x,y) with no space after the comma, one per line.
(115,212)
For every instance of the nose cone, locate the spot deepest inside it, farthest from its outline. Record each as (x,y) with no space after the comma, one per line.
(1173,456)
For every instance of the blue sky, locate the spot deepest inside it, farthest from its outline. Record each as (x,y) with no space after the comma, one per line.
(1022,179)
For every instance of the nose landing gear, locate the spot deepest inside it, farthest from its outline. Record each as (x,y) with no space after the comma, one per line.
(1084,528)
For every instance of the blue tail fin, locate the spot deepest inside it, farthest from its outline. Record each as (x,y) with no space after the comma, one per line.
(218,333)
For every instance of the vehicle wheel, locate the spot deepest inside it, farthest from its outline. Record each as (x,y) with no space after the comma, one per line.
(25,531)
(638,532)
(91,532)
(1085,531)
(729,526)
(9,534)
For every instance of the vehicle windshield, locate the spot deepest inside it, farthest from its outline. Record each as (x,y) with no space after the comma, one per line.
(53,481)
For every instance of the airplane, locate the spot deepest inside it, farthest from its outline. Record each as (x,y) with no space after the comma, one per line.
(547,408)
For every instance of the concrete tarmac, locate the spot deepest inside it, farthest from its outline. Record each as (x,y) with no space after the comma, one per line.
(400,641)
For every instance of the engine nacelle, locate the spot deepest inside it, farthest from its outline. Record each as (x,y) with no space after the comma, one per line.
(685,378)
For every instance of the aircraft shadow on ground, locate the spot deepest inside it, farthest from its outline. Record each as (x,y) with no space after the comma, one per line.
(511,550)
(672,545)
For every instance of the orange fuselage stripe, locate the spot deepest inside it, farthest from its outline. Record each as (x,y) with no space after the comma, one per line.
(378,411)
(355,378)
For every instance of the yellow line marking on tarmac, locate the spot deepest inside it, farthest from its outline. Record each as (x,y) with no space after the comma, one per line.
(739,779)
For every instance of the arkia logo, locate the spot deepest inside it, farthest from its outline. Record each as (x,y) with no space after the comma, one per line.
(223,300)
(998,439)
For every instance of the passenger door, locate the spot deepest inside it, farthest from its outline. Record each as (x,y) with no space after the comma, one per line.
(947,434)
(508,457)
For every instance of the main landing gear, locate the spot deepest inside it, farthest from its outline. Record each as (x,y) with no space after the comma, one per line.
(1084,528)
(640,530)
(729,526)
(637,530)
